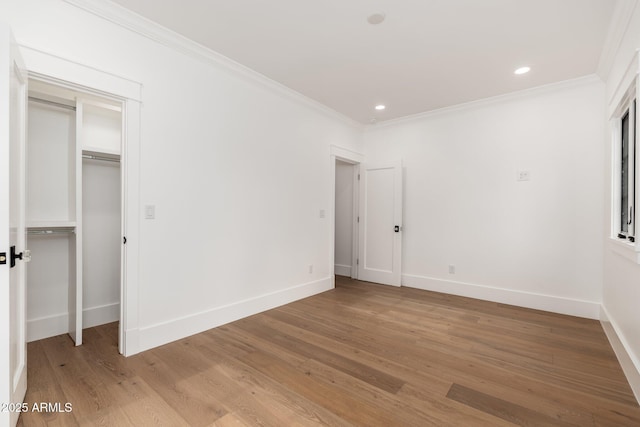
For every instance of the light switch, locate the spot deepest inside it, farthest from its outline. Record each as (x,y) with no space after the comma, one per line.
(150,212)
(322,213)
(524,175)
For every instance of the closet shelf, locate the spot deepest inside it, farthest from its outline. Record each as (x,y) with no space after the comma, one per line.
(49,232)
(87,149)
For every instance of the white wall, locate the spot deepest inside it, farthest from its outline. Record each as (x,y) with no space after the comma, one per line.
(101,242)
(101,216)
(535,243)
(344,218)
(50,158)
(621,274)
(238,172)
(51,136)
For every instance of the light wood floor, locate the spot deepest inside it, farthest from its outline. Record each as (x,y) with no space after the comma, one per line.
(361,354)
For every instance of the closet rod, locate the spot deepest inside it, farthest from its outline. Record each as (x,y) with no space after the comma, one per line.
(49,232)
(53,103)
(106,159)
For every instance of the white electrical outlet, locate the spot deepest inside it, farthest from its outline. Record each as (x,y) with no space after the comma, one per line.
(452,269)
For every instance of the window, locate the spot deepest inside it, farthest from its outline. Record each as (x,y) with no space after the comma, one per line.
(627,167)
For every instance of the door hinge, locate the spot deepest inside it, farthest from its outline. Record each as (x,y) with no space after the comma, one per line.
(358,177)
(357,261)
(358,219)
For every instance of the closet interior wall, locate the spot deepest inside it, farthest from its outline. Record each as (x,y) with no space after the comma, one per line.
(51,221)
(101,215)
(73,212)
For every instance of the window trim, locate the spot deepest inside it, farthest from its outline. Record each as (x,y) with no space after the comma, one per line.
(628,111)
(618,106)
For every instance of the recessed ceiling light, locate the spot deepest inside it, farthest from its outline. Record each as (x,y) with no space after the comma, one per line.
(522,70)
(380,107)
(376,18)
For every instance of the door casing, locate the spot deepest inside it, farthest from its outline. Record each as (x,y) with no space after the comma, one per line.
(78,77)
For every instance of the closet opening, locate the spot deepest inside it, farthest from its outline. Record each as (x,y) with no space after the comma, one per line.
(74,211)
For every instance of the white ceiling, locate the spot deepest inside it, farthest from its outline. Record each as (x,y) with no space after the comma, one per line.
(426,55)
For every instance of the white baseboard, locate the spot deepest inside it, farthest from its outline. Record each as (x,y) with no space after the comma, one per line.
(45,327)
(554,304)
(162,333)
(100,315)
(50,326)
(342,270)
(630,363)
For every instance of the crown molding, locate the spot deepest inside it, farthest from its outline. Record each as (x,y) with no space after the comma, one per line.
(626,83)
(538,90)
(138,24)
(618,27)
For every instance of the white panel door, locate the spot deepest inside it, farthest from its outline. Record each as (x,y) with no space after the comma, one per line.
(13,348)
(380,248)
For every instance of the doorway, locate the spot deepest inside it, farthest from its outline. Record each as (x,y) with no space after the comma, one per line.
(345,165)
(377,227)
(74,215)
(346,219)
(88,82)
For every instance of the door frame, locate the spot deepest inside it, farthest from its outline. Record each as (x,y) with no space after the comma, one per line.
(354,158)
(78,77)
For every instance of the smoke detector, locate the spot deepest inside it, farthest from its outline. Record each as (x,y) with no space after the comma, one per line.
(376,18)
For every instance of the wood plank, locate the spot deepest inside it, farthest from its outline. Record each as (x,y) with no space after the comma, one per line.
(43,387)
(143,407)
(309,332)
(344,404)
(259,387)
(409,409)
(230,420)
(175,380)
(508,411)
(361,371)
